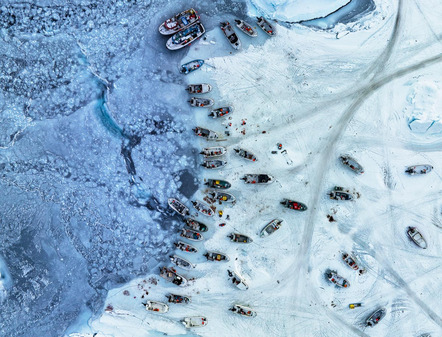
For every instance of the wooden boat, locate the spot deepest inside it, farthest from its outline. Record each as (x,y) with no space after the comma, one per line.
(191,235)
(266,26)
(203,208)
(215,256)
(243,310)
(271,227)
(157,307)
(185,247)
(245,154)
(216,151)
(185,37)
(246,28)
(239,238)
(178,206)
(179,22)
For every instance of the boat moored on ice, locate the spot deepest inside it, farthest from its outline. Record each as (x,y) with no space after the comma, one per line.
(352,164)
(417,237)
(216,151)
(237,280)
(375,317)
(203,208)
(271,228)
(258,179)
(173,298)
(181,262)
(418,169)
(243,310)
(294,205)
(178,206)
(202,88)
(205,133)
(185,37)
(350,261)
(221,196)
(246,28)
(179,22)
(191,235)
(245,154)
(214,164)
(218,184)
(157,307)
(188,67)
(339,193)
(215,256)
(230,35)
(266,26)
(221,112)
(196,225)
(336,279)
(185,247)
(201,102)
(194,322)
(170,275)
(239,238)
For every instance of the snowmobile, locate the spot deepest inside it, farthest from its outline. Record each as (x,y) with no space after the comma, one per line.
(418,169)
(188,67)
(202,88)
(216,151)
(354,305)
(231,35)
(178,299)
(215,256)
(271,228)
(194,322)
(336,279)
(266,26)
(417,237)
(185,247)
(239,238)
(180,262)
(219,184)
(179,22)
(338,193)
(200,102)
(196,225)
(191,235)
(258,179)
(352,164)
(375,317)
(214,164)
(170,274)
(245,154)
(221,196)
(295,205)
(243,311)
(205,133)
(246,28)
(178,206)
(350,261)
(237,280)
(185,37)
(203,208)
(221,112)
(157,307)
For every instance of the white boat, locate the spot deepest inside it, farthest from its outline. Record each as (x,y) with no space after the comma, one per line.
(246,28)
(375,317)
(216,151)
(245,154)
(203,208)
(194,321)
(205,133)
(200,102)
(179,22)
(337,279)
(191,235)
(221,112)
(237,280)
(181,262)
(417,237)
(157,307)
(170,274)
(185,247)
(214,164)
(243,310)
(352,164)
(202,88)
(186,36)
(271,227)
(230,34)
(215,256)
(419,169)
(178,206)
(221,196)
(266,26)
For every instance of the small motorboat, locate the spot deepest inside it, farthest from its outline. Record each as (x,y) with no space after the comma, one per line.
(221,112)
(178,206)
(352,164)
(418,169)
(218,184)
(203,208)
(170,274)
(221,196)
(246,28)
(417,237)
(205,133)
(231,35)
(215,256)
(375,317)
(239,238)
(202,88)
(237,280)
(188,67)
(243,310)
(179,22)
(336,279)
(180,262)
(191,235)
(185,247)
(216,151)
(258,179)
(157,307)
(200,102)
(350,261)
(194,322)
(340,195)
(266,26)
(245,154)
(196,225)
(271,227)
(185,37)
(214,164)
(295,205)
(173,298)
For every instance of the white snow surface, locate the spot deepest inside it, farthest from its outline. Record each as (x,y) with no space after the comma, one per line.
(320,97)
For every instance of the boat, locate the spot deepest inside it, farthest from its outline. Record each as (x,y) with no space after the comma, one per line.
(237,280)
(221,196)
(246,28)
(295,205)
(205,133)
(266,26)
(203,208)
(221,112)
(336,279)
(202,88)
(185,37)
(191,235)
(196,225)
(375,317)
(271,228)
(350,261)
(180,262)
(185,247)
(179,22)
(200,102)
(170,274)
(215,256)
(188,67)
(157,307)
(218,184)
(239,238)
(214,164)
(216,151)
(352,164)
(243,310)
(178,206)
(417,237)
(231,35)
(258,179)
(245,154)
(194,322)
(418,169)
(173,298)
(340,195)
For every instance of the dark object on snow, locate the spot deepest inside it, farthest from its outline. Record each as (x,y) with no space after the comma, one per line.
(243,311)
(230,34)
(202,88)
(185,247)
(220,184)
(295,205)
(173,298)
(266,26)
(418,169)
(417,237)
(215,256)
(191,235)
(258,179)
(352,164)
(188,67)
(245,154)
(240,238)
(170,274)
(375,317)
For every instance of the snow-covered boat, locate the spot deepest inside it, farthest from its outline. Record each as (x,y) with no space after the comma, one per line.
(215,151)
(418,169)
(196,225)
(352,164)
(205,133)
(350,261)
(245,28)
(178,206)
(170,274)
(258,179)
(340,195)
(173,298)
(215,256)
(266,26)
(237,280)
(157,307)
(417,237)
(185,247)
(194,322)
(200,102)
(271,227)
(181,262)
(375,317)
(230,34)
(221,196)
(185,37)
(219,184)
(243,310)
(245,154)
(202,88)
(221,112)
(188,67)
(239,238)
(191,235)
(295,205)
(336,279)
(179,22)
(214,164)
(203,208)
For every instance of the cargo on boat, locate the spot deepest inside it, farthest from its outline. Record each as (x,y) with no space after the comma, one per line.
(215,151)
(418,169)
(271,227)
(352,164)
(239,238)
(237,280)
(375,317)
(230,35)
(191,235)
(218,184)
(258,179)
(246,28)
(188,67)
(173,298)
(157,307)
(350,261)
(214,164)
(266,26)
(200,102)
(245,154)
(215,256)
(170,274)
(295,205)
(202,88)
(178,206)
(179,22)
(185,37)
(336,279)
(221,196)
(205,133)
(221,112)
(194,322)
(417,237)
(203,208)
(181,262)
(196,225)
(185,247)
(243,310)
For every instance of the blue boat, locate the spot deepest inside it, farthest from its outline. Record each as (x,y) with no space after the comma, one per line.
(191,66)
